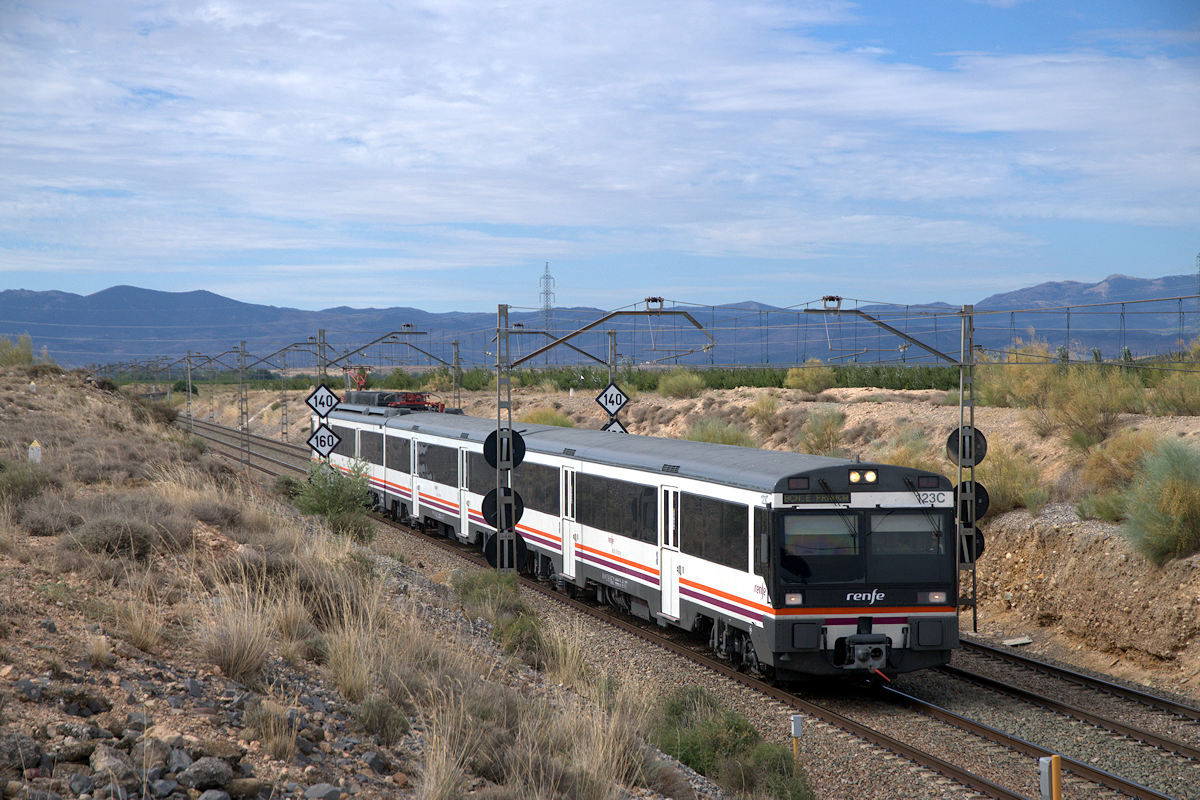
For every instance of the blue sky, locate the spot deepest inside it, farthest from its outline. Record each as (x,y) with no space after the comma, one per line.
(438,153)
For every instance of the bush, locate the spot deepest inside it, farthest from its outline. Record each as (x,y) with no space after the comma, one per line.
(1114,463)
(548,416)
(1022,380)
(717,432)
(911,448)
(814,377)
(20,481)
(331,492)
(1177,394)
(1164,504)
(1012,480)
(821,434)
(1087,402)
(723,745)
(680,383)
(764,411)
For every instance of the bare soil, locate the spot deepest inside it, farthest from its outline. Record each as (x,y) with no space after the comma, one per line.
(1074,586)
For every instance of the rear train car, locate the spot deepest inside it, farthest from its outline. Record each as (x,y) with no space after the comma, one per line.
(792,565)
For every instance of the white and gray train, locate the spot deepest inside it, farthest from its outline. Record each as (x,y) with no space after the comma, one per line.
(793,565)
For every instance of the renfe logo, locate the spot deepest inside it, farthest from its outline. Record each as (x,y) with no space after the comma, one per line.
(870,599)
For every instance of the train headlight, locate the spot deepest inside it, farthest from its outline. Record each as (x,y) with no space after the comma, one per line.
(864,476)
(793,599)
(933,598)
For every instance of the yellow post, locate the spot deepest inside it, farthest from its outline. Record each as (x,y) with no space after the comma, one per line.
(1051,777)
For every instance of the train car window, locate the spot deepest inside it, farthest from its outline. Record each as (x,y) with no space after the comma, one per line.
(906,534)
(620,507)
(437,463)
(714,530)
(821,548)
(481,478)
(370,447)
(398,449)
(538,485)
(908,547)
(762,543)
(346,446)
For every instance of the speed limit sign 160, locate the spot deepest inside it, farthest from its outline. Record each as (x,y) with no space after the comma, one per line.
(324,441)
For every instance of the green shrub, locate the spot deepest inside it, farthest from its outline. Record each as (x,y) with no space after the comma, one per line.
(1108,505)
(1163,504)
(287,487)
(548,416)
(490,592)
(821,434)
(718,432)
(116,537)
(331,492)
(813,377)
(723,745)
(680,383)
(521,636)
(766,769)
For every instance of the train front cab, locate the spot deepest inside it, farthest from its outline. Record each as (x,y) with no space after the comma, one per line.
(860,565)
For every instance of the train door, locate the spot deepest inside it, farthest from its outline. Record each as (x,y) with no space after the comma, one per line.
(668,552)
(464,519)
(570,527)
(416,488)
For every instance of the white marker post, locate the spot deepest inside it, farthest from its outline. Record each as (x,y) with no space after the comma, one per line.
(797,724)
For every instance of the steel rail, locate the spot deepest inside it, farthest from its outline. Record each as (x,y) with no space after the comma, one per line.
(1133,732)
(1129,693)
(1081,769)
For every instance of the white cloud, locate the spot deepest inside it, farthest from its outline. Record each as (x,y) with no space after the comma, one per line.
(415,128)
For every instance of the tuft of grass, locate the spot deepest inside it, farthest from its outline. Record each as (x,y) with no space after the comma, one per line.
(814,377)
(275,723)
(547,416)
(1108,505)
(142,624)
(98,650)
(680,383)
(1012,480)
(910,447)
(236,632)
(381,718)
(342,499)
(821,433)
(1163,504)
(564,654)
(719,432)
(765,412)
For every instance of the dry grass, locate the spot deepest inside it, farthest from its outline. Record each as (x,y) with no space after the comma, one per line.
(445,757)
(565,653)
(1114,463)
(717,431)
(98,650)
(1012,480)
(1086,403)
(821,433)
(275,723)
(236,630)
(910,447)
(547,416)
(765,412)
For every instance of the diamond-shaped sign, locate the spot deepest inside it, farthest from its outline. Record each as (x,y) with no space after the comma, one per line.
(612,399)
(323,440)
(614,425)
(322,401)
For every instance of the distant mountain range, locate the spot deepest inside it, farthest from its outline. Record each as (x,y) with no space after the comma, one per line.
(126,323)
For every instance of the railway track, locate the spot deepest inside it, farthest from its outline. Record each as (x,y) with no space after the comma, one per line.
(1010,761)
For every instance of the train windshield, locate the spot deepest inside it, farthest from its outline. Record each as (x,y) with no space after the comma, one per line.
(906,546)
(821,548)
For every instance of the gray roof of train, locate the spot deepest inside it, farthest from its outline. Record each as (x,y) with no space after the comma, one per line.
(745,467)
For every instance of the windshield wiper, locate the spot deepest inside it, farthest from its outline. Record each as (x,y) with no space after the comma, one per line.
(844,517)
